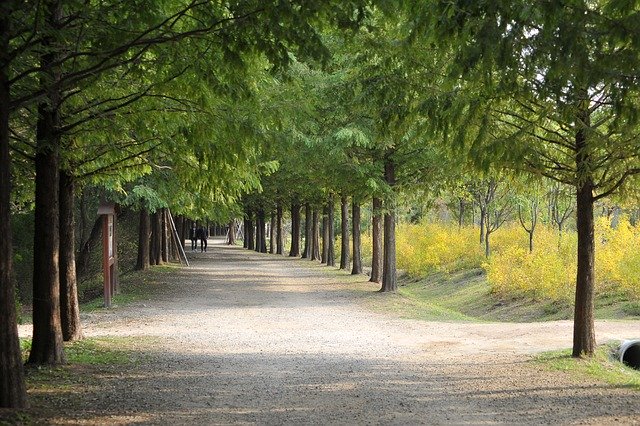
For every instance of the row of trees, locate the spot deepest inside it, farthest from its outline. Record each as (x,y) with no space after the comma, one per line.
(213,109)
(160,93)
(451,92)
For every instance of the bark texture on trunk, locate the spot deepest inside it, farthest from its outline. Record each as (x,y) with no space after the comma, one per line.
(13,392)
(583,323)
(584,339)
(389,278)
(295,230)
(344,228)
(331,234)
(46,345)
(261,232)
(165,235)
(308,229)
(483,218)
(156,238)
(376,237)
(324,253)
(272,234)
(250,232)
(279,236)
(69,308)
(357,250)
(144,232)
(315,238)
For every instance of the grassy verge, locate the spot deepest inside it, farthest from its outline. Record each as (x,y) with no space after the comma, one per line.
(61,388)
(101,350)
(603,366)
(134,286)
(466,296)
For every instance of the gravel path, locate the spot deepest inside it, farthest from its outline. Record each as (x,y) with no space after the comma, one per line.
(251,338)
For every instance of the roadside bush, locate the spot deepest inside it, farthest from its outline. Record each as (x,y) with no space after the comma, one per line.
(429,247)
(618,256)
(548,273)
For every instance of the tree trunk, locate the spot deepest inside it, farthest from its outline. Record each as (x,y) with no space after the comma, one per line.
(245,238)
(156,238)
(165,236)
(315,238)
(249,232)
(260,233)
(389,278)
(376,237)
(344,234)
(584,339)
(308,237)
(279,236)
(483,214)
(272,234)
(487,247)
(331,252)
(82,260)
(583,324)
(324,255)
(232,233)
(13,392)
(357,252)
(83,222)
(259,225)
(144,231)
(69,308)
(295,230)
(46,344)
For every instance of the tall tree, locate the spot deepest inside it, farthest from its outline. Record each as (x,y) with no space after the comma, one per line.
(376,237)
(344,233)
(357,247)
(294,251)
(548,88)
(46,346)
(12,386)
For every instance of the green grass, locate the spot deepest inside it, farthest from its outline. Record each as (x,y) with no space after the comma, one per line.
(466,296)
(134,286)
(101,350)
(602,366)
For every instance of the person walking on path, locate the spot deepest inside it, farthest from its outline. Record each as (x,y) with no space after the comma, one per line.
(202,236)
(193,236)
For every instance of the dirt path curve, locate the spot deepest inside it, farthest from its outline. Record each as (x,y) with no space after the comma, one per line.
(250,338)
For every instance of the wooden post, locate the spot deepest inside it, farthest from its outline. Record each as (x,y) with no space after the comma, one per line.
(109,252)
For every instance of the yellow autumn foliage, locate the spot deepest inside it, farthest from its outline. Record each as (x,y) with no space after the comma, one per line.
(618,256)
(427,247)
(547,273)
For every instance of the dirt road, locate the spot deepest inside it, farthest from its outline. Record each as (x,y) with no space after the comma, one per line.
(248,338)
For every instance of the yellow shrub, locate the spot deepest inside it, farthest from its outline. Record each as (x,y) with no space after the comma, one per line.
(618,257)
(546,273)
(550,271)
(428,247)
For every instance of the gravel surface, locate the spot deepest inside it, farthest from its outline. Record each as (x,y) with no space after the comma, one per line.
(248,338)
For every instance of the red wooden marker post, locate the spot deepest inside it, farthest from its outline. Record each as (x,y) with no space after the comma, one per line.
(109,251)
